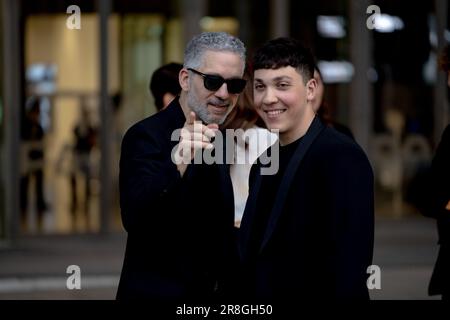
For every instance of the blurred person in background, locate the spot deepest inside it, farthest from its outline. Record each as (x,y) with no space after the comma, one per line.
(435,201)
(32,166)
(164,84)
(321,107)
(85,140)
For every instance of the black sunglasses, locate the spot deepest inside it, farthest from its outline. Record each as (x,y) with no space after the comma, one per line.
(214,82)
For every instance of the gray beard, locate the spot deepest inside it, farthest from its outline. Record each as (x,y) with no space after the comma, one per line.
(202,111)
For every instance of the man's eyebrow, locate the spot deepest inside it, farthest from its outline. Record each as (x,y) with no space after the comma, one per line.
(280,78)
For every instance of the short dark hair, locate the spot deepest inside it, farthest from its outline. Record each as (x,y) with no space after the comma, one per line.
(165,80)
(284,52)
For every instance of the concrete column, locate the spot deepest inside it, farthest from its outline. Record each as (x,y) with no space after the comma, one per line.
(106,130)
(192,11)
(361,94)
(441,106)
(12,109)
(245,23)
(279,19)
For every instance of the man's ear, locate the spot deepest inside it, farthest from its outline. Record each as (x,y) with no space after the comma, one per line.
(183,78)
(311,89)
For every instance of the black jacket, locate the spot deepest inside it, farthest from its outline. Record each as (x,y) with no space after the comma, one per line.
(318,241)
(435,196)
(180,230)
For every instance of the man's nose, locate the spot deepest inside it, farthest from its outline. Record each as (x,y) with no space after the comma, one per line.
(223,92)
(269,97)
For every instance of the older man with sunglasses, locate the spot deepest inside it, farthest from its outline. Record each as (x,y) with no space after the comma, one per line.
(179,215)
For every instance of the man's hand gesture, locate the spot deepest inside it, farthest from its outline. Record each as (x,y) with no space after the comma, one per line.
(194,136)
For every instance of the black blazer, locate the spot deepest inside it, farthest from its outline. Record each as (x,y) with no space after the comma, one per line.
(181,241)
(319,239)
(435,195)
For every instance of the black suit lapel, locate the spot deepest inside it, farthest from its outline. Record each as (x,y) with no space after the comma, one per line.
(249,215)
(225,180)
(313,131)
(226,188)
(175,113)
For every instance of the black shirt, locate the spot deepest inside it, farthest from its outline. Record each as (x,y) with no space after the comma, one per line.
(270,185)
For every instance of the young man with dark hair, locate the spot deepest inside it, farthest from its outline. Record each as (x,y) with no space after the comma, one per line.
(307,231)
